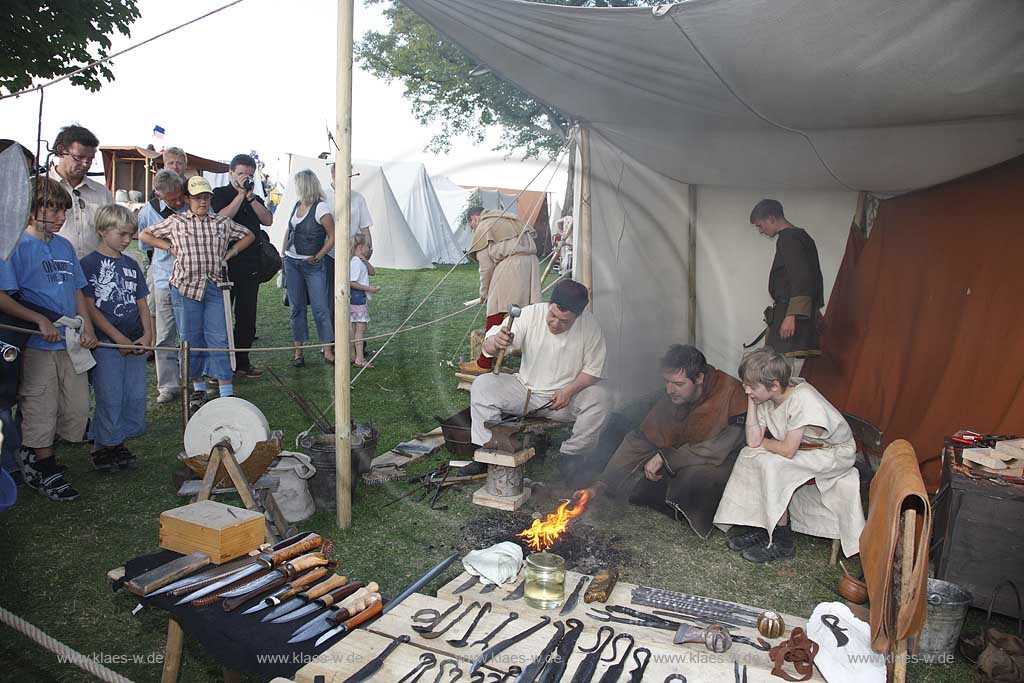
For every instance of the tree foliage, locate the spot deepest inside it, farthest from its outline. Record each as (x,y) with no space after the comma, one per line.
(437,80)
(47,40)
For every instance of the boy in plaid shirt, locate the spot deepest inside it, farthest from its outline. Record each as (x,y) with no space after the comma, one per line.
(198,241)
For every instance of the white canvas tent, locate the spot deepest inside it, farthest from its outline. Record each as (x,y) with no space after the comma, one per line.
(394,245)
(454,199)
(422,209)
(695,111)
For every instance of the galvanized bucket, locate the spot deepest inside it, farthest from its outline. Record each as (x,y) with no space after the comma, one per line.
(947,608)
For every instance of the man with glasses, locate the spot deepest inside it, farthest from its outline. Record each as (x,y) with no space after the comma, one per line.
(75,147)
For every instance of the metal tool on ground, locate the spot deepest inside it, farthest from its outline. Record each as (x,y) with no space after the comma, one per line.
(486,640)
(374,665)
(517,593)
(496,649)
(585,671)
(469,583)
(286,603)
(574,597)
(294,588)
(555,669)
(431,635)
(612,673)
(637,674)
(346,609)
(321,602)
(428,619)
(513,313)
(269,560)
(530,673)
(320,420)
(464,640)
(428,660)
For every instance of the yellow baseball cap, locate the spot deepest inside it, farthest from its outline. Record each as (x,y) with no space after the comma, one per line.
(197,185)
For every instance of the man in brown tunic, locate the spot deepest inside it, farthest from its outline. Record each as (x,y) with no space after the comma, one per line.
(795,284)
(686,446)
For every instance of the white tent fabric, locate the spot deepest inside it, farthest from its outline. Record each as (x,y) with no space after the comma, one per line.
(394,245)
(454,200)
(805,101)
(422,209)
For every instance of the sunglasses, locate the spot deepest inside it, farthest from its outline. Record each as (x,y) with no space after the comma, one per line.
(78,196)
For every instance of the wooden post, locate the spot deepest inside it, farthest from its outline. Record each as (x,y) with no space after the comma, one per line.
(583,254)
(343,220)
(172,652)
(906,569)
(691,269)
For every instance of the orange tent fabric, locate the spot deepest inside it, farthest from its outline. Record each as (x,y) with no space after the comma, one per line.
(925,326)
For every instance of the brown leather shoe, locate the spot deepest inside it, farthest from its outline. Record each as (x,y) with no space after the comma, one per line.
(473,369)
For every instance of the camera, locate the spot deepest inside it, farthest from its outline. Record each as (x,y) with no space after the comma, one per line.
(248,185)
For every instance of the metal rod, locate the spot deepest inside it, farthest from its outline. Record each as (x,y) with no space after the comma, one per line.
(184,363)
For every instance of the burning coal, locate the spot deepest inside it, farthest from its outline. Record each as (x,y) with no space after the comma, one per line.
(542,534)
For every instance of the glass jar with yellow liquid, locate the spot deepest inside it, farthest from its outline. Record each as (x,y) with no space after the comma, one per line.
(545,580)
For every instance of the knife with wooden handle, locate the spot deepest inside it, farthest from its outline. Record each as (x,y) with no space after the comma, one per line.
(317,603)
(352,605)
(278,577)
(370,612)
(290,589)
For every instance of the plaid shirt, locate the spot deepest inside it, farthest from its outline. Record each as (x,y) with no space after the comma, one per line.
(200,242)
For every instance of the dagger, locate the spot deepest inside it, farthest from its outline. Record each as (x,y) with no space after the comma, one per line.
(289,589)
(358,609)
(263,561)
(529,674)
(319,602)
(369,613)
(231,567)
(374,665)
(236,597)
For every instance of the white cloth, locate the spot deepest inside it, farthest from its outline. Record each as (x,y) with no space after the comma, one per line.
(498,564)
(81,358)
(357,272)
(319,212)
(763,484)
(552,361)
(855,662)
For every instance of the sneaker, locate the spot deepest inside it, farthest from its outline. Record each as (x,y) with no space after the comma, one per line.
(197,400)
(105,459)
(27,455)
(783,547)
(471,470)
(166,396)
(55,487)
(125,458)
(43,476)
(743,537)
(251,372)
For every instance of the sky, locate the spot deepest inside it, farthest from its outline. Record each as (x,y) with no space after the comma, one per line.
(257,76)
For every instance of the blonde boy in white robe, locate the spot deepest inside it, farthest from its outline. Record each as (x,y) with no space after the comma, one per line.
(793,435)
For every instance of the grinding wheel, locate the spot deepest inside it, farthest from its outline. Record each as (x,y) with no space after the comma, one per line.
(232,418)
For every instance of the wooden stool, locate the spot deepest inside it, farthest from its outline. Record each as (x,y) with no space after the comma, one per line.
(504,489)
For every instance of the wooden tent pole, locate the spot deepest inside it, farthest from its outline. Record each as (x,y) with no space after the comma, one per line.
(342,222)
(691,270)
(583,255)
(899,674)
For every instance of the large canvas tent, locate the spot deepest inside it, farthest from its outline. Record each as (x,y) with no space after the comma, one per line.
(394,245)
(692,112)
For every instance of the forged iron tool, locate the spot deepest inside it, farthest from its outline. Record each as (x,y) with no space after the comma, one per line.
(736,672)
(456,672)
(675,677)
(464,640)
(556,667)
(585,671)
(431,635)
(832,622)
(494,650)
(515,419)
(488,588)
(486,640)
(374,665)
(574,597)
(517,593)
(612,673)
(428,660)
(435,618)
(528,674)
(513,313)
(715,637)
(705,617)
(470,582)
(637,674)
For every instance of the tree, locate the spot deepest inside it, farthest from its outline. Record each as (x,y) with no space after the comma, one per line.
(447,86)
(47,40)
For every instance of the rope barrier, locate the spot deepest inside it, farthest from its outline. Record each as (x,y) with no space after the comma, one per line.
(68,655)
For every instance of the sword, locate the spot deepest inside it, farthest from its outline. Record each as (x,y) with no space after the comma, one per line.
(225,295)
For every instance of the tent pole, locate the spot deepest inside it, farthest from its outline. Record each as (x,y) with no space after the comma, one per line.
(342,221)
(692,270)
(584,234)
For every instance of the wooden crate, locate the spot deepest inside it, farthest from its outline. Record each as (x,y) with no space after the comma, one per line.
(221,531)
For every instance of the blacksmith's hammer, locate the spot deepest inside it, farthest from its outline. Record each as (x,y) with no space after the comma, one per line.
(513,313)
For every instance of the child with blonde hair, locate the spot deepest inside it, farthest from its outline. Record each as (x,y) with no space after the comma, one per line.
(359,310)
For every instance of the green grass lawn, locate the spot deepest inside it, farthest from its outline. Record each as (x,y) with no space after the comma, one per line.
(55,556)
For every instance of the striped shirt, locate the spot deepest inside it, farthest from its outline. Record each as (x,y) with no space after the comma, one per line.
(200,243)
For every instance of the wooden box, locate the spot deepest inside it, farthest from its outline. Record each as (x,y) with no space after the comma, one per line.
(221,531)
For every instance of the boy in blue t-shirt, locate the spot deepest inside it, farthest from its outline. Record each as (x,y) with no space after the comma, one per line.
(53,398)
(116,292)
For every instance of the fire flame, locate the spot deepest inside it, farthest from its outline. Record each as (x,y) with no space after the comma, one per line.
(543,534)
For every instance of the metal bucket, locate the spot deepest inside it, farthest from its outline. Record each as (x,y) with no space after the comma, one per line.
(321,451)
(947,608)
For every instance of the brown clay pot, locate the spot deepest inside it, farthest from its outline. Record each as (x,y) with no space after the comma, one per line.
(853,590)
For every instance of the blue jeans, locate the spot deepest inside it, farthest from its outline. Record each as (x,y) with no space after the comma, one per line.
(307,284)
(119,383)
(202,324)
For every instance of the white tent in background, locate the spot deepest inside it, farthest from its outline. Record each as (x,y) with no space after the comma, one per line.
(394,245)
(422,209)
(489,199)
(455,199)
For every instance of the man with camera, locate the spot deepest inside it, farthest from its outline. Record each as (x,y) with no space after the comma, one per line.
(238,202)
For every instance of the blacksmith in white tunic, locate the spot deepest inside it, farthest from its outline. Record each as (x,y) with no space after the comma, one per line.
(794,435)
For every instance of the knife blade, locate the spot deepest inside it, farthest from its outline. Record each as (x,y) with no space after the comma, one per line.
(278,577)
(529,674)
(472,581)
(226,568)
(574,597)
(346,609)
(517,593)
(320,602)
(371,611)
(556,669)
(376,663)
(263,561)
(290,590)
(494,650)
(298,599)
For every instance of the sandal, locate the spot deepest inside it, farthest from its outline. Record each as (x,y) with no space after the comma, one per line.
(299,362)
(364,364)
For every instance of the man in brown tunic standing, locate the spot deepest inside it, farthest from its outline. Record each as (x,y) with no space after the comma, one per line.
(685,448)
(795,284)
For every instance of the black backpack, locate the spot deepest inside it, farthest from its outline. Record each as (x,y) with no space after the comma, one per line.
(270,259)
